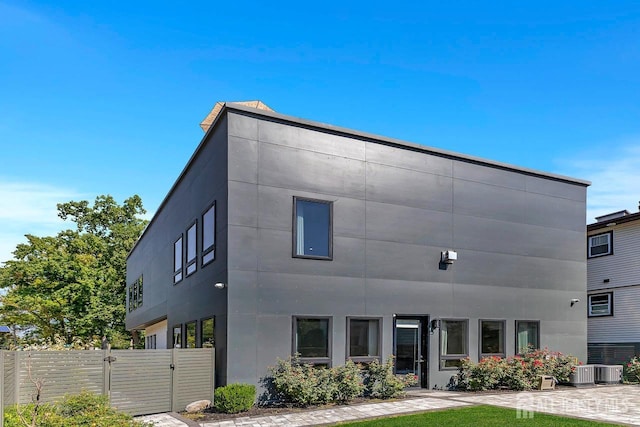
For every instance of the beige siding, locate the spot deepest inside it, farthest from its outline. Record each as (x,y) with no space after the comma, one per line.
(624,325)
(623,267)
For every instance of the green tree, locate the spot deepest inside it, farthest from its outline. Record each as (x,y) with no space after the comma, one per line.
(73,285)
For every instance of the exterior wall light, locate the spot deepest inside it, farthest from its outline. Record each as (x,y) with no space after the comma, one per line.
(574,301)
(448,257)
(220,285)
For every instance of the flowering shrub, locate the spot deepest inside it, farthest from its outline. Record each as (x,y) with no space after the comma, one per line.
(381,383)
(300,384)
(631,370)
(516,372)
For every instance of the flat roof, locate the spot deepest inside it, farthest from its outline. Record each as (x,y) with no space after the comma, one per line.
(614,221)
(365,136)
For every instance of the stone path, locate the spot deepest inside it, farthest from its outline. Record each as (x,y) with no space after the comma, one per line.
(617,404)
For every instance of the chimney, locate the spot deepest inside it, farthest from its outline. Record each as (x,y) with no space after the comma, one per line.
(213,114)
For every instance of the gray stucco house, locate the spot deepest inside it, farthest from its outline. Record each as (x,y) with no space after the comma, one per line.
(284,235)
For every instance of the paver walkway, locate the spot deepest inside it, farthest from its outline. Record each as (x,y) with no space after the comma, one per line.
(617,404)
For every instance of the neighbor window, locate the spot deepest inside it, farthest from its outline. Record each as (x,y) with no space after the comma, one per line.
(312,232)
(150,342)
(527,335)
(190,335)
(492,338)
(177,260)
(191,249)
(207,333)
(364,339)
(601,305)
(312,340)
(453,343)
(600,244)
(177,336)
(209,235)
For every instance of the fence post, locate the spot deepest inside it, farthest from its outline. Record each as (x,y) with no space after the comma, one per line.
(1,387)
(172,381)
(16,374)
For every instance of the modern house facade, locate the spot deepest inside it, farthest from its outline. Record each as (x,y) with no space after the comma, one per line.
(613,285)
(283,236)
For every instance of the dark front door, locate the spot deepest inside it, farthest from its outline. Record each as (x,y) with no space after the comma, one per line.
(410,338)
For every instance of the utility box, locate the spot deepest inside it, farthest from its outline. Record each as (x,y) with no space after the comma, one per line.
(583,375)
(608,374)
(547,382)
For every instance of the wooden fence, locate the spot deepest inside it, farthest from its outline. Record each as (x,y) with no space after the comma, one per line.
(136,381)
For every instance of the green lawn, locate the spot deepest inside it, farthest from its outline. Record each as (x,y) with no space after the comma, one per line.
(476,416)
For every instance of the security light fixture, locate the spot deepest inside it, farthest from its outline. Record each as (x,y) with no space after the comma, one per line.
(220,285)
(574,301)
(448,257)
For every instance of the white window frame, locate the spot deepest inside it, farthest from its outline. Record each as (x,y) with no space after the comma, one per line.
(609,305)
(590,245)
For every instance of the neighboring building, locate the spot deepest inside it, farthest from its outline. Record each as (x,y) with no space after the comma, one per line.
(613,285)
(283,235)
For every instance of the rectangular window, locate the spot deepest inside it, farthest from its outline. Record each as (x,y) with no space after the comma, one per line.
(150,342)
(192,232)
(190,335)
(363,336)
(527,335)
(492,334)
(312,340)
(177,336)
(207,333)
(600,244)
(209,235)
(130,298)
(453,343)
(601,305)
(135,294)
(139,292)
(177,260)
(312,229)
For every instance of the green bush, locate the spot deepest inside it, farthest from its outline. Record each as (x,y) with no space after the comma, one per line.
(234,398)
(348,382)
(631,371)
(84,409)
(514,373)
(381,383)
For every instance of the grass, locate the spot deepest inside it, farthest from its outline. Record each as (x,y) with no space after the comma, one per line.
(476,416)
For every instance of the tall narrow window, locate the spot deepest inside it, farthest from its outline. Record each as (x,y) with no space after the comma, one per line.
(311,340)
(192,232)
(312,229)
(209,235)
(177,260)
(600,244)
(207,333)
(130,297)
(364,339)
(492,338)
(139,292)
(453,343)
(177,336)
(190,335)
(135,294)
(527,336)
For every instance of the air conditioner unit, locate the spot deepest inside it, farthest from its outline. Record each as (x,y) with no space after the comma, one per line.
(582,376)
(608,374)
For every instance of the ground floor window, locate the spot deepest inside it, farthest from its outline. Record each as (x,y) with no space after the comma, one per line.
(601,304)
(363,336)
(312,338)
(150,342)
(492,338)
(527,335)
(454,336)
(190,335)
(207,333)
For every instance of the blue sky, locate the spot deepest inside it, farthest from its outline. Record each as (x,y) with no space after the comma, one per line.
(106,97)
